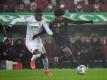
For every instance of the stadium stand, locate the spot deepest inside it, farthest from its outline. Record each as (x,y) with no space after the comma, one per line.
(15,6)
(23,6)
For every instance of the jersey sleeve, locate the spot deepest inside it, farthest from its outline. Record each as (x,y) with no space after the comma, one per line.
(77,22)
(46,27)
(22,20)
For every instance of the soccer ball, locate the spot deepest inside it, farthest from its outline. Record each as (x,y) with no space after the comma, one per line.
(81,69)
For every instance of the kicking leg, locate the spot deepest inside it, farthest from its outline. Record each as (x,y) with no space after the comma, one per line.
(68,51)
(36,55)
(46,65)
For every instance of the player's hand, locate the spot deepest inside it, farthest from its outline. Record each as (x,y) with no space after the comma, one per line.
(9,27)
(35,36)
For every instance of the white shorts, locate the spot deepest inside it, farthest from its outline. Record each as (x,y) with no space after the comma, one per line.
(35,44)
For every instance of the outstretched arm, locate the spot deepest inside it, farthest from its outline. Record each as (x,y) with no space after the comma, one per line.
(13,22)
(18,20)
(39,34)
(78,22)
(47,28)
(82,22)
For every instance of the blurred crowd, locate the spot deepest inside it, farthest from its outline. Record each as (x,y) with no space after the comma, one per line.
(50,5)
(91,50)
(86,50)
(15,50)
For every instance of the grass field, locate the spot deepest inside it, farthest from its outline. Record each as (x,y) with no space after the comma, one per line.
(59,74)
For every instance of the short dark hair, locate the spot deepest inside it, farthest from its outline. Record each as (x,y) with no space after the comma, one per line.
(59,12)
(39,11)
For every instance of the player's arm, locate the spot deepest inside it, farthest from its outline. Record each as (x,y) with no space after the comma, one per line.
(82,22)
(22,20)
(47,28)
(79,22)
(40,33)
(13,22)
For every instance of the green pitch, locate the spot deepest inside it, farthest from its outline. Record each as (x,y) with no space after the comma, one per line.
(59,74)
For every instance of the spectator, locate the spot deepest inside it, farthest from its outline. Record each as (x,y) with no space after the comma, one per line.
(1,50)
(79,7)
(20,6)
(96,49)
(81,51)
(88,51)
(11,40)
(104,50)
(61,5)
(104,47)
(33,6)
(56,62)
(55,3)
(18,48)
(2,2)
(5,8)
(84,1)
(7,50)
(50,7)
(97,7)
(27,5)
(20,53)
(11,5)
(42,4)
(73,46)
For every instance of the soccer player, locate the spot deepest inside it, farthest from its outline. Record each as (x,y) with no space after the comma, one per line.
(35,24)
(59,28)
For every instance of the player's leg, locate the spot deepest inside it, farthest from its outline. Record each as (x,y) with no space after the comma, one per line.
(35,55)
(33,48)
(65,49)
(40,53)
(45,62)
(46,65)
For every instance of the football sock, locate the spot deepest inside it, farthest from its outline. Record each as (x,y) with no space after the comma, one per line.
(45,63)
(34,57)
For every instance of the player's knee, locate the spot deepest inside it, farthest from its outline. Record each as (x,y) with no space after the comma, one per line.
(43,56)
(36,52)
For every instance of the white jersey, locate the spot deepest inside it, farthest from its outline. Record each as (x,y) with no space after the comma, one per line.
(33,28)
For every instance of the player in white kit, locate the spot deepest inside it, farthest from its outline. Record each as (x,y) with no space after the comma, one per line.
(34,25)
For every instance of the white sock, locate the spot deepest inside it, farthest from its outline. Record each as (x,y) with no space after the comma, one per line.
(45,63)
(34,57)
